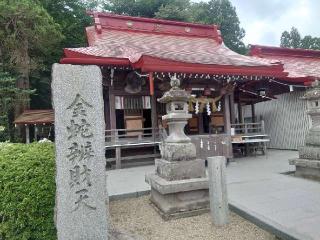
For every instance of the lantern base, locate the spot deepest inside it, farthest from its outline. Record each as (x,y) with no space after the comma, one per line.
(180,198)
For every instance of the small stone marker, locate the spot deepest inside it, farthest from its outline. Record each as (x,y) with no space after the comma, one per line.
(80,162)
(218,190)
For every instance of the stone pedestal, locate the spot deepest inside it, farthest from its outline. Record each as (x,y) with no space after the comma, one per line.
(308,163)
(179,186)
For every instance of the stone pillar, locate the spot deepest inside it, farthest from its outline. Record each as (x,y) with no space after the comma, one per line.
(80,162)
(179,186)
(218,190)
(308,163)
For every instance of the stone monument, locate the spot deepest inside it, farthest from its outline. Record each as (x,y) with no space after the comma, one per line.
(179,186)
(81,211)
(308,163)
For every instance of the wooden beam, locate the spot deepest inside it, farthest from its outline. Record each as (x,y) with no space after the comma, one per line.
(106,109)
(240,115)
(227,123)
(112,110)
(154,116)
(253,113)
(151,83)
(232,109)
(200,122)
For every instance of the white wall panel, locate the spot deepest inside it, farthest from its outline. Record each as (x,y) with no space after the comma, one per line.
(285,120)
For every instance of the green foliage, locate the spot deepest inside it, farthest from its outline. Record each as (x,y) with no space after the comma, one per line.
(10,96)
(28,36)
(27,191)
(142,8)
(72,19)
(222,13)
(175,10)
(29,42)
(293,39)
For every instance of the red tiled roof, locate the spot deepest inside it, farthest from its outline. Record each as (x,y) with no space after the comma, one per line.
(36,117)
(159,45)
(299,63)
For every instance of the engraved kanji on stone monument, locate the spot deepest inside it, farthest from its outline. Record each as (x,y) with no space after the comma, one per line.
(81,211)
(80,151)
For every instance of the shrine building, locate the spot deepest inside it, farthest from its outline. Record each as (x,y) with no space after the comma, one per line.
(138,56)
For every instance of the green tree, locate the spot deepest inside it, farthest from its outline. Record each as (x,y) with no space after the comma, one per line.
(10,96)
(142,8)
(293,39)
(175,10)
(285,40)
(222,13)
(28,34)
(309,42)
(72,19)
(28,38)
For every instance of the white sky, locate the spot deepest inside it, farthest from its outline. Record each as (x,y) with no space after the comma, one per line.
(265,20)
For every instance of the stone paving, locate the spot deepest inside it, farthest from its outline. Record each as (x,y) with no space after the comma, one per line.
(286,205)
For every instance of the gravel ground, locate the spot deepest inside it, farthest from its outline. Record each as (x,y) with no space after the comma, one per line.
(136,216)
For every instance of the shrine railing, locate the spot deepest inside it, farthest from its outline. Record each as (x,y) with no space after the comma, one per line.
(132,136)
(248,128)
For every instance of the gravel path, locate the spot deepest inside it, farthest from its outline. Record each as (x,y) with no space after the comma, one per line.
(136,216)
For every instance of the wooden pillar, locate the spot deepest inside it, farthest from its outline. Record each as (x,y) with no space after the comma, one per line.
(154,117)
(106,108)
(240,115)
(253,113)
(112,118)
(232,109)
(113,123)
(227,123)
(27,134)
(200,123)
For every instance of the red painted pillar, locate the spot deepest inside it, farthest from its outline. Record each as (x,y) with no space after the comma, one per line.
(151,83)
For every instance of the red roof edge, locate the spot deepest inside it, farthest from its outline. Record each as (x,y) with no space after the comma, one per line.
(260,51)
(128,23)
(152,64)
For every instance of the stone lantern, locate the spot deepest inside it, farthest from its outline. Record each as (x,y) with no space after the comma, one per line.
(308,163)
(179,186)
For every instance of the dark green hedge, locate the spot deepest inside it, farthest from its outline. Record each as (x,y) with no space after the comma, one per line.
(27,191)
